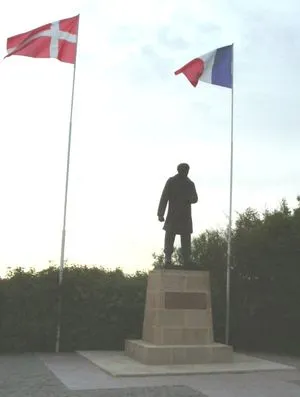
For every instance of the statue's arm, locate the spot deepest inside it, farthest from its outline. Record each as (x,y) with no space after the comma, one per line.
(163,201)
(194,196)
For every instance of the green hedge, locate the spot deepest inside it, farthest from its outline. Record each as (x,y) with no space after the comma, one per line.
(100,309)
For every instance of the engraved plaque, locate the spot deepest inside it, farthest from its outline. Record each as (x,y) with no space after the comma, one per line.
(186,300)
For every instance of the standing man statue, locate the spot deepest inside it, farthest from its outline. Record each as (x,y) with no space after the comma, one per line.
(179,192)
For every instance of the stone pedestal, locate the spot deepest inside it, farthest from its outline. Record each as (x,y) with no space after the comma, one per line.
(178,325)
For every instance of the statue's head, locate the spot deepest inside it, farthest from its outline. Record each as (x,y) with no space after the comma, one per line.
(183,169)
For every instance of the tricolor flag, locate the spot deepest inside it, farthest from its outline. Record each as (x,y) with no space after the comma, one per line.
(215,67)
(54,40)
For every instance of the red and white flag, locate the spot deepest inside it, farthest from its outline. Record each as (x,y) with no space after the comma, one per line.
(54,40)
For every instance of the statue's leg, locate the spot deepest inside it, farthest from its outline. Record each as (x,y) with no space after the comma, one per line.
(186,249)
(169,247)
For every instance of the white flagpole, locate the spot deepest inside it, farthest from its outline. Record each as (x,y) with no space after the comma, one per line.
(229,232)
(63,238)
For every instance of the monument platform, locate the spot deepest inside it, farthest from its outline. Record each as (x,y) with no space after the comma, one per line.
(118,364)
(178,327)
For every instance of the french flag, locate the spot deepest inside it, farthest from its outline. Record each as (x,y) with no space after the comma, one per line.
(215,67)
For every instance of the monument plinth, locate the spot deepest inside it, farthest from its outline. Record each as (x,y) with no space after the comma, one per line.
(178,327)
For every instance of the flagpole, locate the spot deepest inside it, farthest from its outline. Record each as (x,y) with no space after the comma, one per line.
(63,237)
(229,232)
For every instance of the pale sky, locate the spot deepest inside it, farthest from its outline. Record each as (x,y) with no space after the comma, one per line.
(134,121)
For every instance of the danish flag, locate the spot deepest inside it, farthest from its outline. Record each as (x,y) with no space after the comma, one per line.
(54,40)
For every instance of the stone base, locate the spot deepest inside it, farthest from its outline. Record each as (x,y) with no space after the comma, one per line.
(178,328)
(150,354)
(120,365)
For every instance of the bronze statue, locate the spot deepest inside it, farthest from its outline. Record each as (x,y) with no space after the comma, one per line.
(179,193)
